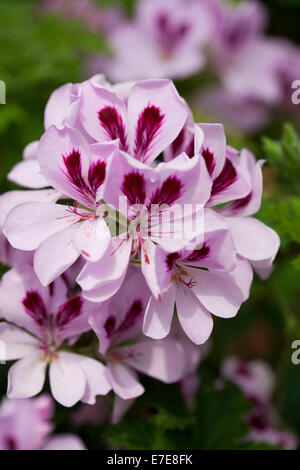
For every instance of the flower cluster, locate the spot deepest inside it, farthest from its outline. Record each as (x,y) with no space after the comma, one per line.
(180,38)
(137,225)
(256,380)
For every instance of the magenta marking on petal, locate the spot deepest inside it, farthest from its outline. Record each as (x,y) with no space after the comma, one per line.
(73,166)
(168,193)
(177,144)
(243,369)
(169,34)
(198,255)
(133,188)
(258,421)
(171,259)
(149,123)
(240,203)
(225,179)
(132,314)
(10,442)
(209,160)
(96,175)
(68,312)
(112,123)
(189,150)
(109,326)
(35,307)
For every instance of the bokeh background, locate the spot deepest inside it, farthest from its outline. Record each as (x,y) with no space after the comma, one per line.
(39,52)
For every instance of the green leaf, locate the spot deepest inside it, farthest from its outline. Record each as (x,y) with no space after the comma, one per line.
(218,422)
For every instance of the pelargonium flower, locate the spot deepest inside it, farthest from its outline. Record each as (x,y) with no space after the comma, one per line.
(61,233)
(118,325)
(38,323)
(208,279)
(253,240)
(164,205)
(25,425)
(237,184)
(167,39)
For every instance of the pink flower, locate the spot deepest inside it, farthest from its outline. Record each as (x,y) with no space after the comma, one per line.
(163,205)
(236,181)
(167,39)
(253,240)
(118,325)
(40,321)
(208,279)
(25,425)
(60,233)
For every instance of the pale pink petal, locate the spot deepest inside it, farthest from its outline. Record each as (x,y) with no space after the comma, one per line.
(56,110)
(29,224)
(103,114)
(13,289)
(57,147)
(214,141)
(67,380)
(18,344)
(27,376)
(156,115)
(55,254)
(108,273)
(162,359)
(64,442)
(253,239)
(92,239)
(120,408)
(195,320)
(97,382)
(218,293)
(11,199)
(159,314)
(124,381)
(27,173)
(30,151)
